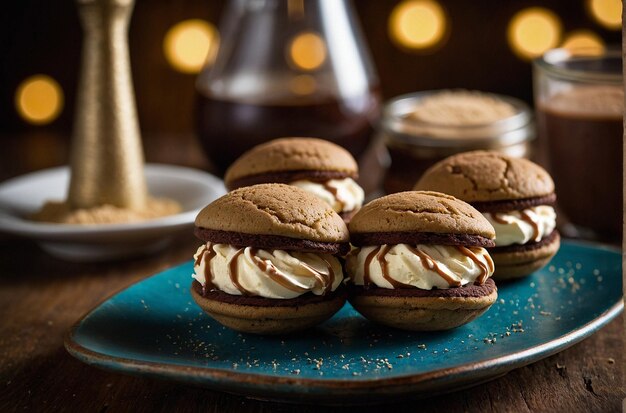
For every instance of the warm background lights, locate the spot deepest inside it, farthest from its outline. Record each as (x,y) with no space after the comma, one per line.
(39,99)
(533,31)
(417,24)
(189,44)
(583,39)
(606,12)
(307,51)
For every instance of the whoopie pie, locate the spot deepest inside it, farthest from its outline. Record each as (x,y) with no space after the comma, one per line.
(318,166)
(268,263)
(420,261)
(515,195)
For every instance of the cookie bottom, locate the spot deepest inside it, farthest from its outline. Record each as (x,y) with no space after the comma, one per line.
(260,316)
(522,262)
(425,310)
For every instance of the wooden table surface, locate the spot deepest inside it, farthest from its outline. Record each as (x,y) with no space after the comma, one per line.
(41,297)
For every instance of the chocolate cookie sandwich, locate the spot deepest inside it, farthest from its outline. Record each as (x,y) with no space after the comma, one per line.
(420,261)
(268,263)
(517,198)
(320,167)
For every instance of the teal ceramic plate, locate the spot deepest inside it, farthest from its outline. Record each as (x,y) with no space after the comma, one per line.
(153,328)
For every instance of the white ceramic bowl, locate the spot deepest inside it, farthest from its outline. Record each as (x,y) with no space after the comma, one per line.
(24,195)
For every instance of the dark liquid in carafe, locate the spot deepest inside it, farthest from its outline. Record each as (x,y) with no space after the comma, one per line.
(227,128)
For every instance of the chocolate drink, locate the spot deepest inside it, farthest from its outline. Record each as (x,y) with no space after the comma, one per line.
(227,128)
(583,131)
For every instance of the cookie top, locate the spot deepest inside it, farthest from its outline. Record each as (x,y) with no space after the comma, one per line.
(287,155)
(420,217)
(484,176)
(276,210)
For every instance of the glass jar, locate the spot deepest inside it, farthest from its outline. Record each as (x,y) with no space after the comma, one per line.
(579,99)
(287,68)
(416,145)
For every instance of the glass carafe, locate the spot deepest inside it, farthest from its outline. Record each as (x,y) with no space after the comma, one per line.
(287,68)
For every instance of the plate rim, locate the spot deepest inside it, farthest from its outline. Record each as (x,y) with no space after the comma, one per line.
(223,378)
(497,364)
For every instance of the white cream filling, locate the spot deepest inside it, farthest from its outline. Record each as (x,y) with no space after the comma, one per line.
(404,265)
(343,195)
(531,224)
(257,271)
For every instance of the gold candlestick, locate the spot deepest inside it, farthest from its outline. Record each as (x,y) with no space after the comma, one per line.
(106,156)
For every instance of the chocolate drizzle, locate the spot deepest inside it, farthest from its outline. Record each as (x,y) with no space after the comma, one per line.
(485,268)
(325,281)
(274,273)
(532,222)
(335,194)
(385,271)
(234,272)
(497,218)
(524,216)
(322,280)
(367,280)
(331,277)
(200,256)
(428,262)
(206,255)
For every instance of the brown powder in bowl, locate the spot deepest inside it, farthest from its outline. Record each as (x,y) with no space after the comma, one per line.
(61,213)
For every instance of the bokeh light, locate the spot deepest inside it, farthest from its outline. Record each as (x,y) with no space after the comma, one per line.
(417,24)
(607,13)
(583,39)
(303,85)
(307,51)
(533,31)
(39,99)
(190,44)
